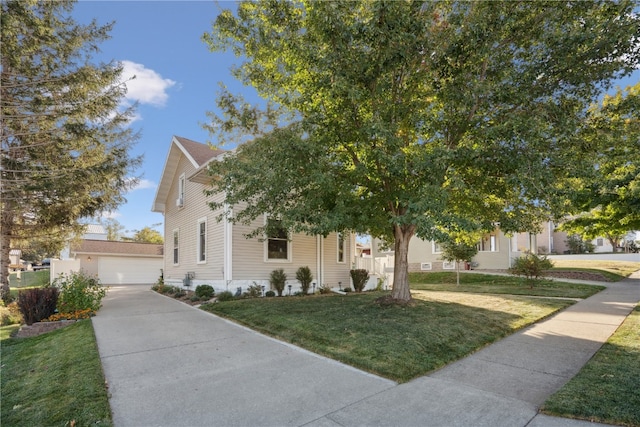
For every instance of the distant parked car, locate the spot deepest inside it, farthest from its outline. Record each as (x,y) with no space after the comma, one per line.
(44,265)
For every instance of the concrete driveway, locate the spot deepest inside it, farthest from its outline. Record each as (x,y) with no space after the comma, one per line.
(169,364)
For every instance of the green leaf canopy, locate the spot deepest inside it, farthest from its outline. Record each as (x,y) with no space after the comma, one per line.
(413,118)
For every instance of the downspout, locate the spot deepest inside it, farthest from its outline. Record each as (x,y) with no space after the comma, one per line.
(318,258)
(227,268)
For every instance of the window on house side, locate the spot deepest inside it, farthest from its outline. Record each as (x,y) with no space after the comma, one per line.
(341,247)
(181,190)
(175,247)
(277,242)
(436,248)
(488,243)
(202,240)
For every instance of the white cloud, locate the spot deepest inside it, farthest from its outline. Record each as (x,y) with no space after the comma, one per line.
(148,87)
(142,184)
(110,215)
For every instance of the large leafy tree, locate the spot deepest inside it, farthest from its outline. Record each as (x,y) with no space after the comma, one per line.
(147,235)
(412,118)
(609,203)
(65,145)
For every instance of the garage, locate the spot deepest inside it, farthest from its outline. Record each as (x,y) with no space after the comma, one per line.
(135,270)
(120,263)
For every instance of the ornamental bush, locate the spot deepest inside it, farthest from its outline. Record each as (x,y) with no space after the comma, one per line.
(360,277)
(79,291)
(531,266)
(225,296)
(37,304)
(205,291)
(305,278)
(277,280)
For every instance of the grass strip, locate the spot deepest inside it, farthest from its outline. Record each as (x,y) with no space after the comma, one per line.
(54,379)
(400,343)
(495,284)
(616,270)
(607,389)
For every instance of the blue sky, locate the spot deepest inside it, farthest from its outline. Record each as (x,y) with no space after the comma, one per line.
(176,81)
(175,85)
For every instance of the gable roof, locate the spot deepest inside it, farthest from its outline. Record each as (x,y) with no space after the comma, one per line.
(198,155)
(110,247)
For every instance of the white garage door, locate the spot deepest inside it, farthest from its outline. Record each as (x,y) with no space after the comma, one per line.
(128,271)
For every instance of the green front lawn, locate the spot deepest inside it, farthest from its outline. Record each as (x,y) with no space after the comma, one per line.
(54,379)
(607,389)
(614,270)
(495,284)
(400,343)
(29,279)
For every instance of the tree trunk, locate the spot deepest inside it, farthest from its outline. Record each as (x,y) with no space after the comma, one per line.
(5,261)
(457,272)
(401,291)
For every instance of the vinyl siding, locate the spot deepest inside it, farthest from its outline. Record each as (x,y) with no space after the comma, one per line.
(421,251)
(249,255)
(185,219)
(335,272)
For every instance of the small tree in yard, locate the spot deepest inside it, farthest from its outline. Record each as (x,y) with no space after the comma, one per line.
(531,266)
(277,280)
(458,252)
(305,277)
(360,277)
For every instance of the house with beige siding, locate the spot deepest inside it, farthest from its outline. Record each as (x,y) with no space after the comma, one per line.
(495,252)
(199,249)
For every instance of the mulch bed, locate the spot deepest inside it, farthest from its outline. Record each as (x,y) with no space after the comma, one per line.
(39,328)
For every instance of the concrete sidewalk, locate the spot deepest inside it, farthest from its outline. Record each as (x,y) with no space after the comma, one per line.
(168,364)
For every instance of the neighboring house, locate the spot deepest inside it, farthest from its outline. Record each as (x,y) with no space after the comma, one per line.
(495,252)
(119,263)
(93,232)
(201,250)
(552,241)
(548,241)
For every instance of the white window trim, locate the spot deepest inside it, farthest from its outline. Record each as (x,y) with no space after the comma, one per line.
(425,266)
(448,265)
(497,246)
(174,247)
(200,249)
(182,182)
(289,258)
(433,247)
(344,248)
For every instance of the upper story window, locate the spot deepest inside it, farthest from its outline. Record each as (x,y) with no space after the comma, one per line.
(176,249)
(278,246)
(202,240)
(341,247)
(488,243)
(181,191)
(436,248)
